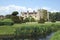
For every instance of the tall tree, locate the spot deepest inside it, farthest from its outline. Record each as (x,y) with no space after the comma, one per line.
(15,18)
(15,13)
(52,16)
(57,15)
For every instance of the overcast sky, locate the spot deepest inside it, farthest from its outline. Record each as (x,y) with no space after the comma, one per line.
(8,6)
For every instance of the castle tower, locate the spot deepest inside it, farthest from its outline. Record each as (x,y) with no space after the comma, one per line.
(38,14)
(41,13)
(27,13)
(48,16)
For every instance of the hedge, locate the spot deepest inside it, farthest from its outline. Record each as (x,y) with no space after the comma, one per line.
(6,22)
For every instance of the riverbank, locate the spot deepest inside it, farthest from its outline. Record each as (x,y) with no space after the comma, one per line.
(30,30)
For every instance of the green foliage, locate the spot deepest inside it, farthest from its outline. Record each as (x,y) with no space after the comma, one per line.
(30,29)
(57,15)
(29,19)
(56,36)
(8,16)
(6,30)
(54,15)
(17,19)
(15,13)
(26,19)
(36,30)
(32,20)
(41,20)
(6,22)
(1,23)
(45,14)
(53,20)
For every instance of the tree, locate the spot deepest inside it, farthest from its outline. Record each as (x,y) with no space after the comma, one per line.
(15,18)
(57,15)
(32,19)
(41,20)
(29,19)
(26,19)
(15,13)
(21,19)
(52,16)
(8,16)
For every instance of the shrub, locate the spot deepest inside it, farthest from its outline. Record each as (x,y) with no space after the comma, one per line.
(53,20)
(6,22)
(16,19)
(8,16)
(32,20)
(41,21)
(26,20)
(29,19)
(1,23)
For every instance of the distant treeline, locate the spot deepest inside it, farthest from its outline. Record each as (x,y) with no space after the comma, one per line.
(54,15)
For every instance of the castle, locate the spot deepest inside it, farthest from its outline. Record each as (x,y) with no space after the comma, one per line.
(41,13)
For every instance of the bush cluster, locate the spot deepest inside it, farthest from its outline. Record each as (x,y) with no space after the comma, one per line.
(6,22)
(41,20)
(53,20)
(29,19)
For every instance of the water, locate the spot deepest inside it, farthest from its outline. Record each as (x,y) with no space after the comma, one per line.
(46,38)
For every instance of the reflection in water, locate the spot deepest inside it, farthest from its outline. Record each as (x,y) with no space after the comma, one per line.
(39,38)
(47,37)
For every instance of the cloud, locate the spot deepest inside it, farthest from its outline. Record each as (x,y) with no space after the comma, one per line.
(10,8)
(50,9)
(47,8)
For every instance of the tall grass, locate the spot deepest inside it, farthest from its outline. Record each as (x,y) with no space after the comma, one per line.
(30,29)
(33,30)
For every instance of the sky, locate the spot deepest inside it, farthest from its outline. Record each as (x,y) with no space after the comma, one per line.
(8,6)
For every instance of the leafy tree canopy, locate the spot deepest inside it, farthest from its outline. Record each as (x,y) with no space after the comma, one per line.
(15,13)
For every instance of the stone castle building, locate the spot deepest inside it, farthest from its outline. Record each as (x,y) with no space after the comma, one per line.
(41,13)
